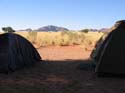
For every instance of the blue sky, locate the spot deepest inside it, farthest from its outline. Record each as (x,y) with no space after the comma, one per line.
(72,14)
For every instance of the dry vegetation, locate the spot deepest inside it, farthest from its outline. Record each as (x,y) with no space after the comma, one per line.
(64,38)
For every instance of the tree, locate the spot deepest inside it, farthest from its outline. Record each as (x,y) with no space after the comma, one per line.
(8,29)
(85,30)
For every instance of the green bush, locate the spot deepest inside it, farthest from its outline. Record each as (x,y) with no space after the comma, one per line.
(85,30)
(8,29)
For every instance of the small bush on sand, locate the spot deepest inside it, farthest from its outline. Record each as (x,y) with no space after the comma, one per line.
(85,30)
(32,35)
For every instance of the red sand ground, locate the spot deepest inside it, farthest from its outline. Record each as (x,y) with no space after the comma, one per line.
(64,53)
(60,76)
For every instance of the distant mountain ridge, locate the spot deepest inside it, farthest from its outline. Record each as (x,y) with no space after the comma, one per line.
(104,30)
(47,28)
(52,28)
(56,29)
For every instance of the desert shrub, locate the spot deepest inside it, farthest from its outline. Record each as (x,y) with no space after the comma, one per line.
(71,35)
(85,30)
(76,38)
(63,33)
(70,38)
(32,35)
(82,37)
(65,41)
(46,40)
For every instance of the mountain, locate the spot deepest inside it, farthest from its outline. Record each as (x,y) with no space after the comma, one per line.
(94,30)
(52,28)
(104,30)
(28,29)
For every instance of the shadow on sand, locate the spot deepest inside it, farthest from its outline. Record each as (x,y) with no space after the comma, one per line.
(59,77)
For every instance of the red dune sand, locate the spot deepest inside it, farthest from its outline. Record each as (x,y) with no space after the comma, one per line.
(63,53)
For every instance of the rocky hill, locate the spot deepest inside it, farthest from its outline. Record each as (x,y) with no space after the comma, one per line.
(52,28)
